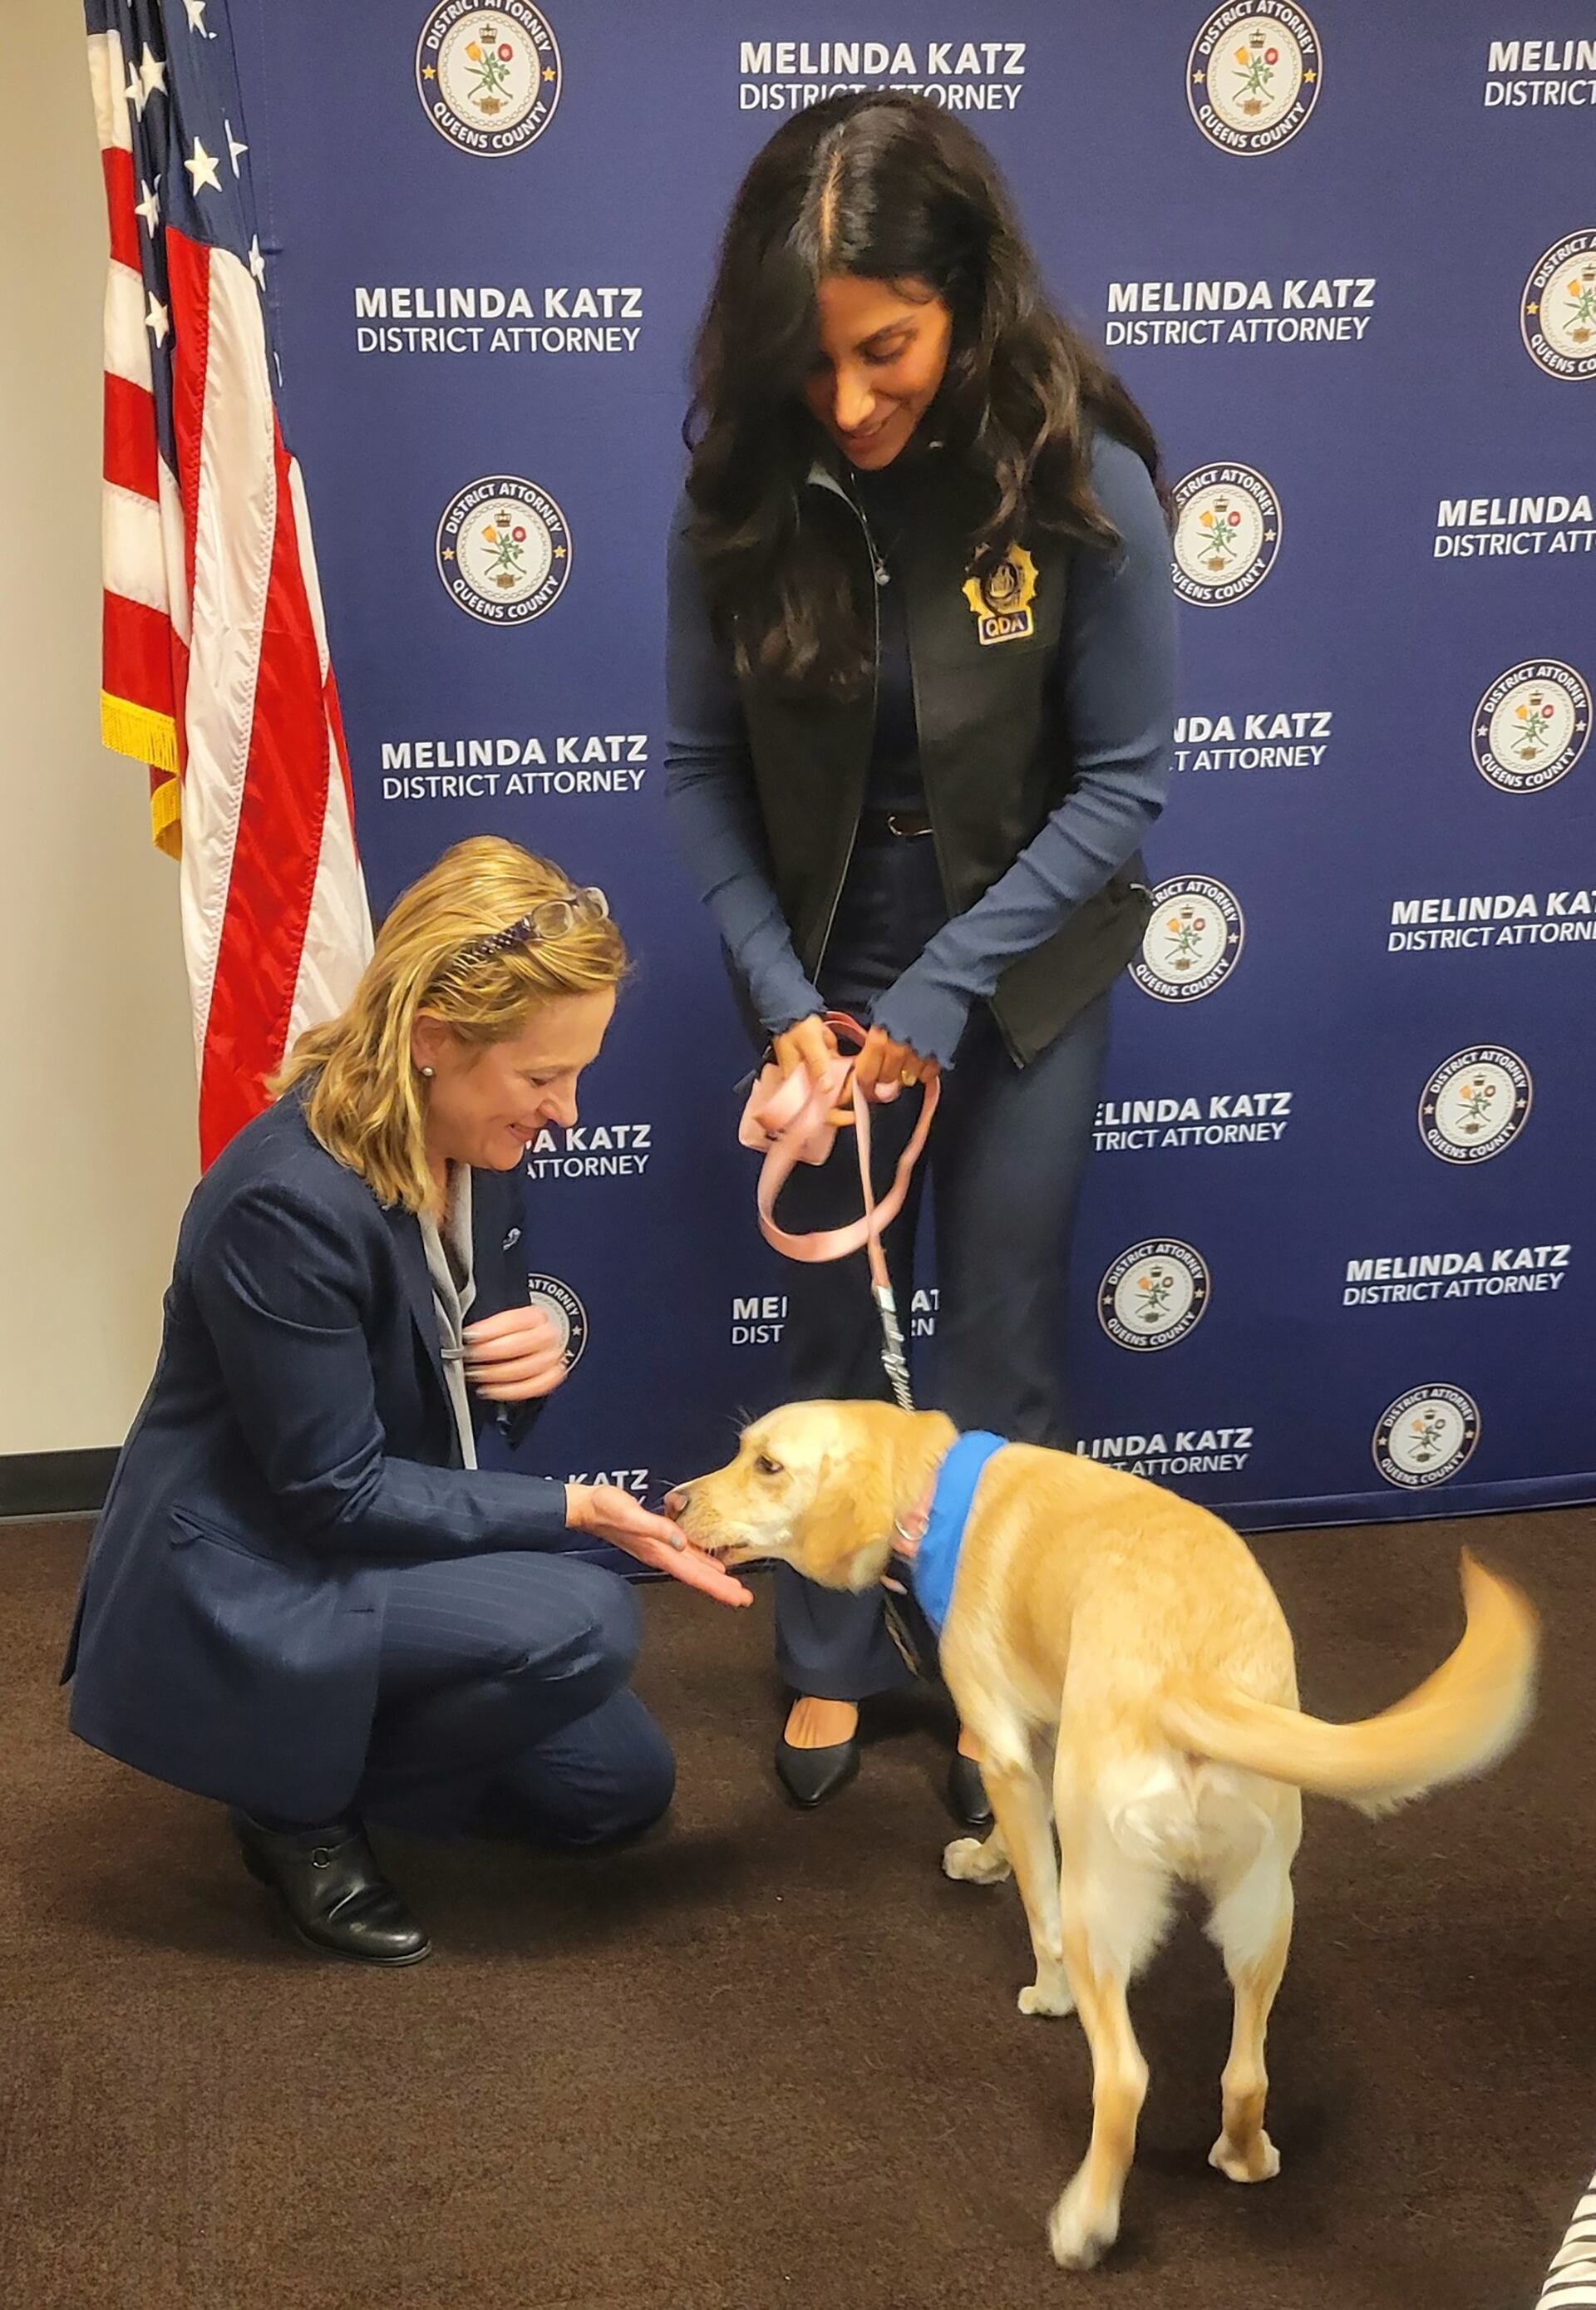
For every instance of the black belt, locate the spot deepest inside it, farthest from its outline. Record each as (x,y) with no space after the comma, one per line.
(907,825)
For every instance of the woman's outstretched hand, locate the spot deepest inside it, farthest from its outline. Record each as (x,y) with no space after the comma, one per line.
(608,1513)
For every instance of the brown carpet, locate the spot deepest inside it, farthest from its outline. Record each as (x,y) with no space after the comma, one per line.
(769,2060)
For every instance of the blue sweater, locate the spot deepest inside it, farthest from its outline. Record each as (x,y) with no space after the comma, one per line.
(1116,679)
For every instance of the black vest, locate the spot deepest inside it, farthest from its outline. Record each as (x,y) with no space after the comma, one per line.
(994,754)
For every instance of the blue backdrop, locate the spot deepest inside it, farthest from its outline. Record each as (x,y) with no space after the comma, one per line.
(1331,1255)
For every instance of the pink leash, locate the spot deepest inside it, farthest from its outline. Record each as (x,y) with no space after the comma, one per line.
(788,1118)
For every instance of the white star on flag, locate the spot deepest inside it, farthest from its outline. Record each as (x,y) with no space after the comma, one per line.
(233,145)
(202,167)
(151,75)
(134,92)
(158,320)
(197,17)
(149,208)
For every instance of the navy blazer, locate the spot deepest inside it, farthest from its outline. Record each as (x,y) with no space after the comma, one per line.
(297,1439)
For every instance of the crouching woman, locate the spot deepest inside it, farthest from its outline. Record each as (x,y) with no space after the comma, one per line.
(304,1597)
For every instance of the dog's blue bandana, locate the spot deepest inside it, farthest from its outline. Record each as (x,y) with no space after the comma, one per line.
(936,1559)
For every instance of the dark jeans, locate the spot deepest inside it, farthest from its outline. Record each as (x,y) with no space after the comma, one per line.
(502,1690)
(1004,1161)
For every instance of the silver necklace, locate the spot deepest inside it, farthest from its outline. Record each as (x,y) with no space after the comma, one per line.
(882,574)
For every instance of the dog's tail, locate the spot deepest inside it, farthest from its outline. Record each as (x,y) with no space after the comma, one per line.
(1459,1721)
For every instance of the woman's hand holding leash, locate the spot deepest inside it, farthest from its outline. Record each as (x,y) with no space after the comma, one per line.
(883,1068)
(608,1513)
(810,1043)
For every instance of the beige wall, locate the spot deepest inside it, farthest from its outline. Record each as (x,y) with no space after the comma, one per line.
(97,1132)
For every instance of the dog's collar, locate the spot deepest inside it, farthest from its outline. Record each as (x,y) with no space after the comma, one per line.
(927,1541)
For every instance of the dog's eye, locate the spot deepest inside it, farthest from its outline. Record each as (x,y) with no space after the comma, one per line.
(766,1466)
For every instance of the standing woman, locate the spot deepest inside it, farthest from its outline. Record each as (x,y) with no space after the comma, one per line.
(304,1597)
(921,675)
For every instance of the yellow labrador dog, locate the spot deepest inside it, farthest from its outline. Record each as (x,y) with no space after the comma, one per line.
(1135,1633)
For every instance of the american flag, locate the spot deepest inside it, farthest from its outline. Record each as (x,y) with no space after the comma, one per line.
(215,650)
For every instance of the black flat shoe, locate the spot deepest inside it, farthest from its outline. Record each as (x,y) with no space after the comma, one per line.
(335,1896)
(967,1792)
(811,1776)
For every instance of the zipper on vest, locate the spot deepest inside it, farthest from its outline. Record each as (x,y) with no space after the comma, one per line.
(822,479)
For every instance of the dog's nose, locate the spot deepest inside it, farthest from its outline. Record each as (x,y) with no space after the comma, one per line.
(677,1499)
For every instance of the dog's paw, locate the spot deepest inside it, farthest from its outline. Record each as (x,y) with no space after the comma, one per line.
(1259,2162)
(1078,2231)
(1048,1993)
(972,1862)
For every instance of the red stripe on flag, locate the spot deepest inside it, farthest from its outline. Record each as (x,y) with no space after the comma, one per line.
(118,165)
(188,285)
(138,654)
(131,460)
(335,725)
(276,850)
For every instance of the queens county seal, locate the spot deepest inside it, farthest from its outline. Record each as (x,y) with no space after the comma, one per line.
(564,1310)
(504,550)
(1193,938)
(1153,1295)
(1226,535)
(1475,1104)
(1531,726)
(1426,1435)
(1557,310)
(1253,75)
(489,77)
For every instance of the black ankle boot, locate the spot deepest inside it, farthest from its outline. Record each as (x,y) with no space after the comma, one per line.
(336,1897)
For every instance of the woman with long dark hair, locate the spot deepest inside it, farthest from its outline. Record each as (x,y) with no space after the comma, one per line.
(921,675)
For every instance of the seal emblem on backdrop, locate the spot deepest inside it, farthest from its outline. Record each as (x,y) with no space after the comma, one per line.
(1253,74)
(504,549)
(1154,1294)
(1426,1436)
(489,77)
(1226,535)
(564,1310)
(1475,1104)
(1557,310)
(1531,726)
(1193,939)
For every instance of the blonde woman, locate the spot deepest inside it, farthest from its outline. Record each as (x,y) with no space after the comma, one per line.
(304,1597)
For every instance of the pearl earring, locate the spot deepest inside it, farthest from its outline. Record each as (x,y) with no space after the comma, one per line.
(428,1073)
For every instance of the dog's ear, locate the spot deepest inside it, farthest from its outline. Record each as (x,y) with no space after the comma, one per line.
(846,1528)
(921,1440)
